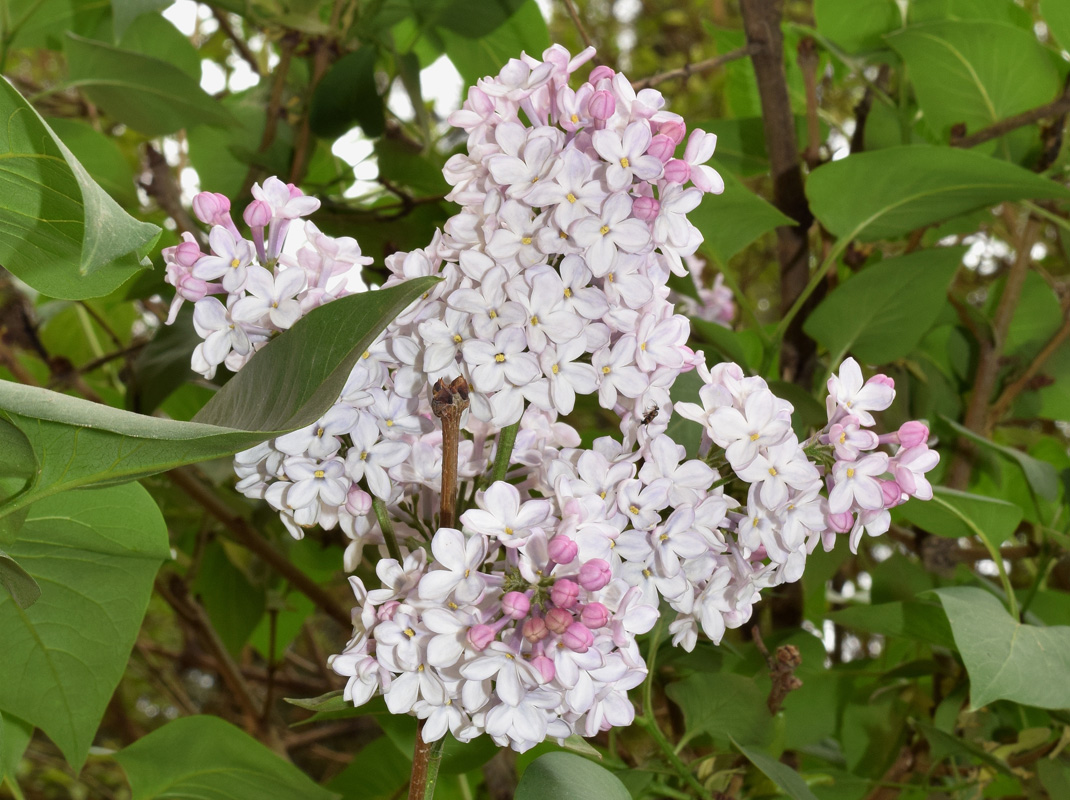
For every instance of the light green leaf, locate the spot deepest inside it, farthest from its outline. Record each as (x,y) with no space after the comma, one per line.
(888,193)
(18,460)
(916,621)
(124,12)
(722,705)
(377,772)
(954,515)
(95,554)
(975,72)
(1042,476)
(554,776)
(1005,659)
(101,157)
(882,313)
(289,383)
(786,779)
(146,93)
(18,582)
(207,758)
(1056,14)
(59,231)
(857,24)
(732,220)
(524,31)
(154,35)
(15,735)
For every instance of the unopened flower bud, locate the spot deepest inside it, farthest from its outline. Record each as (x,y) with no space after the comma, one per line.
(892,491)
(558,620)
(594,615)
(661,147)
(562,550)
(602,105)
(535,630)
(358,501)
(673,130)
(480,636)
(210,206)
(565,593)
(677,171)
(257,214)
(645,208)
(578,637)
(387,610)
(515,605)
(187,254)
(841,523)
(913,433)
(595,574)
(546,668)
(601,72)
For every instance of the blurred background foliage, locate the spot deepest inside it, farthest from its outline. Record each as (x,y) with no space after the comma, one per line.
(961,296)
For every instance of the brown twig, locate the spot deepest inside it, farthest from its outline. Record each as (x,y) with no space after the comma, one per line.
(239,44)
(274,107)
(781,669)
(572,12)
(761,23)
(865,105)
(1056,107)
(1011,392)
(698,68)
(988,362)
(808,63)
(243,532)
(321,60)
(448,404)
(160,185)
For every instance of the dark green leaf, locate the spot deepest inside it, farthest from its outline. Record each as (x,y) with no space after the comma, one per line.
(377,772)
(524,31)
(124,12)
(146,93)
(233,604)
(95,554)
(732,220)
(882,313)
(15,735)
(944,744)
(955,514)
(786,779)
(18,582)
(975,72)
(162,366)
(722,705)
(207,758)
(1005,659)
(475,19)
(289,383)
(857,24)
(890,192)
(59,231)
(347,95)
(1041,475)
(153,35)
(18,460)
(917,621)
(554,776)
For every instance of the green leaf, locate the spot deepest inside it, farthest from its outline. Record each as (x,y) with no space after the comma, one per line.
(59,231)
(289,383)
(101,157)
(944,744)
(162,365)
(124,12)
(955,514)
(888,193)
(207,758)
(347,95)
(154,35)
(786,779)
(146,93)
(377,772)
(1005,659)
(1056,14)
(475,19)
(732,220)
(554,776)
(18,582)
(722,705)
(916,621)
(975,72)
(857,24)
(15,736)
(524,31)
(1041,475)
(233,604)
(95,554)
(18,460)
(882,313)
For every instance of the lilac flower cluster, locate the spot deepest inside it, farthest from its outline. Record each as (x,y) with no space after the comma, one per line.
(522,622)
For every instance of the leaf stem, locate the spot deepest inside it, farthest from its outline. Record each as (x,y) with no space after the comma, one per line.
(506,440)
(426,758)
(387,528)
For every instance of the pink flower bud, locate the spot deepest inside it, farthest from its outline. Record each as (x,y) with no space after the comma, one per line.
(661,147)
(601,72)
(535,630)
(257,214)
(546,668)
(677,171)
(387,610)
(558,620)
(565,593)
(480,636)
(562,550)
(595,574)
(892,491)
(758,555)
(578,637)
(594,615)
(673,130)
(515,605)
(187,254)
(913,433)
(210,206)
(602,105)
(841,523)
(358,501)
(645,208)
(190,288)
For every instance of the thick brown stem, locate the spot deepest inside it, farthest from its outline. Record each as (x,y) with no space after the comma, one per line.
(448,404)
(1053,109)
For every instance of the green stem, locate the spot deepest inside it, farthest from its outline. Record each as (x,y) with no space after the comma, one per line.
(745,304)
(388,529)
(506,440)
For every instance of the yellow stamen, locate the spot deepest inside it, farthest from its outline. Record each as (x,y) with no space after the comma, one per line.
(772,470)
(850,473)
(509,531)
(534,320)
(570,197)
(575,118)
(606,370)
(634,509)
(319,473)
(525,240)
(755,437)
(235,263)
(604,230)
(568,292)
(625,163)
(499,357)
(554,369)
